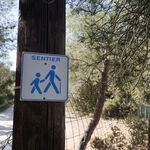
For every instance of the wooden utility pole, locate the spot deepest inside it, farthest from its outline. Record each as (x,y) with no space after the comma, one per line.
(39,125)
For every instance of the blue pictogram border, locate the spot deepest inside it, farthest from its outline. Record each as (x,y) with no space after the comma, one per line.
(46,100)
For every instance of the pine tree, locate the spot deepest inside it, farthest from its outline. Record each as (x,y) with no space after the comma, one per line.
(118,33)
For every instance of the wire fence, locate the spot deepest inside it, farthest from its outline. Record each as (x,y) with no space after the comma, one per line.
(76,125)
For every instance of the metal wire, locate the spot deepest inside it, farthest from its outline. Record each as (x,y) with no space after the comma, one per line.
(76,125)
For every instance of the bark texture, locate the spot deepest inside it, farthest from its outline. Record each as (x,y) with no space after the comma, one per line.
(98,108)
(39,125)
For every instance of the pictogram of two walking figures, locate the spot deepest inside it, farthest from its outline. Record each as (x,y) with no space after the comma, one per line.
(51,82)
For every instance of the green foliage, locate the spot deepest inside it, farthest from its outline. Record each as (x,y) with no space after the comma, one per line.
(6,27)
(118,31)
(138,130)
(115,141)
(139,133)
(7,78)
(2,108)
(85,97)
(120,106)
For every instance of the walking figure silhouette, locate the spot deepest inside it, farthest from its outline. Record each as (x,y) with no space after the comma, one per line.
(52,75)
(35,84)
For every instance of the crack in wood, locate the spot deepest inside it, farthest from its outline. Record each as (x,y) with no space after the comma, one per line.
(49,1)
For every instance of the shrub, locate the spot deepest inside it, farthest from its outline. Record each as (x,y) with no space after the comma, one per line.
(114,109)
(119,107)
(85,97)
(115,141)
(139,133)
(116,106)
(138,140)
(7,78)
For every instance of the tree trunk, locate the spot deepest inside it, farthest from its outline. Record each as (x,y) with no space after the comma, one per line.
(98,108)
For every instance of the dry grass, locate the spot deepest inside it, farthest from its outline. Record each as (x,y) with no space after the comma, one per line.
(75,127)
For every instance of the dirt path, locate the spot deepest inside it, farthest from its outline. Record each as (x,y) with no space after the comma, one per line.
(75,127)
(6,123)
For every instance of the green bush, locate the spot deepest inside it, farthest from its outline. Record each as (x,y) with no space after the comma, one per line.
(116,106)
(2,99)
(114,109)
(138,130)
(115,141)
(4,107)
(119,107)
(7,78)
(110,110)
(138,140)
(139,133)
(85,97)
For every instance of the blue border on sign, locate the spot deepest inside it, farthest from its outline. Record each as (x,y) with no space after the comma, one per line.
(49,100)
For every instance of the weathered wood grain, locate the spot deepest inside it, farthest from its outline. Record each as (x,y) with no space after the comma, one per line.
(39,125)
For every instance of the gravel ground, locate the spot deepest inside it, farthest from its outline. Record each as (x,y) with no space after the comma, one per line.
(6,123)
(75,127)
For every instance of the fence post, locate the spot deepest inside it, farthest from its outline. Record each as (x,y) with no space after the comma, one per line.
(39,125)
